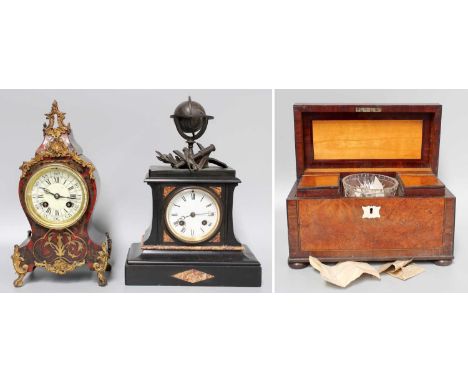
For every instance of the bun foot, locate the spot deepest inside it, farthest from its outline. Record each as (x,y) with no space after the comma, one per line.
(298,265)
(443,262)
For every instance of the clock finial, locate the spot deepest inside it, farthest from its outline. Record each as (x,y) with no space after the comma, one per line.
(57,143)
(61,128)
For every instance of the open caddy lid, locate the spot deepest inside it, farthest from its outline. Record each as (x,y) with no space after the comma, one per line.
(367,136)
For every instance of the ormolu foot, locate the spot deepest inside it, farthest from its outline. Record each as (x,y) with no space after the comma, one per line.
(102,262)
(20,268)
(102,281)
(19,282)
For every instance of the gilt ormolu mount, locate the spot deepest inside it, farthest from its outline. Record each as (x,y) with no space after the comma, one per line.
(191,240)
(57,191)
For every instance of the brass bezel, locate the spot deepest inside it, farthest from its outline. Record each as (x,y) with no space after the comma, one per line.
(174,233)
(32,211)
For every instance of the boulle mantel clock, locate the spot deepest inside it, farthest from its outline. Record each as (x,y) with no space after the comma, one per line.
(57,191)
(191,240)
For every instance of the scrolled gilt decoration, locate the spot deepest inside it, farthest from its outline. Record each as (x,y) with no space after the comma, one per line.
(54,144)
(59,244)
(63,244)
(49,129)
(83,163)
(60,266)
(20,268)
(101,263)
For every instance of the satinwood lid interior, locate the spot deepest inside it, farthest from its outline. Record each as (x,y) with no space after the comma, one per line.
(367,136)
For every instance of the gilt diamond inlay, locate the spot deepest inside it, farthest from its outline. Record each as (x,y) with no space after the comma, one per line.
(193,276)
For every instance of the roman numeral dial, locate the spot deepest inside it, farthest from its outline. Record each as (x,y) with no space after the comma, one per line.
(56,196)
(193,214)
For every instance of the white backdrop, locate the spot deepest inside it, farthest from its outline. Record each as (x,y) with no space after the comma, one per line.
(183,44)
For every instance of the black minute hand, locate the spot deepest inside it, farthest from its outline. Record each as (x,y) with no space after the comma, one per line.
(46,190)
(56,195)
(65,197)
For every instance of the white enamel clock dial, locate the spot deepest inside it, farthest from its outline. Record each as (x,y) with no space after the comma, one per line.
(56,196)
(193,214)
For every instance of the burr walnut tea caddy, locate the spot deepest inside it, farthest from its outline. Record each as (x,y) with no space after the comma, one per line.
(399,141)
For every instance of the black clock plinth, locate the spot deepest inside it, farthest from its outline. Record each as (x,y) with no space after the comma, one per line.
(199,268)
(162,259)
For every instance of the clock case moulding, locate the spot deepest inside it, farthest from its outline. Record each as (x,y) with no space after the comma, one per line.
(61,251)
(161,259)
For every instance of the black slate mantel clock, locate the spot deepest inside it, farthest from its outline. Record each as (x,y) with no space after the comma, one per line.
(191,240)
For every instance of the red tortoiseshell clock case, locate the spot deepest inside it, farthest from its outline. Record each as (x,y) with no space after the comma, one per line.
(61,250)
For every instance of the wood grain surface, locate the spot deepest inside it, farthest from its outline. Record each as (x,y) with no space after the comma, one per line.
(367,139)
(337,224)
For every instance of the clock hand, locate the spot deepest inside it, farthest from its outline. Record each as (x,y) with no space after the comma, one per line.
(46,190)
(56,195)
(193,214)
(183,217)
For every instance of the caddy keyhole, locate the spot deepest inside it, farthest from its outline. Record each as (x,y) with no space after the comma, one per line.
(370,212)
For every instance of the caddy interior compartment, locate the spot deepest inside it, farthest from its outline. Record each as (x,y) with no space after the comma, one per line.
(369,185)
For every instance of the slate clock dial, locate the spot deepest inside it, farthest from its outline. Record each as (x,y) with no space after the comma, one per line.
(56,196)
(193,214)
